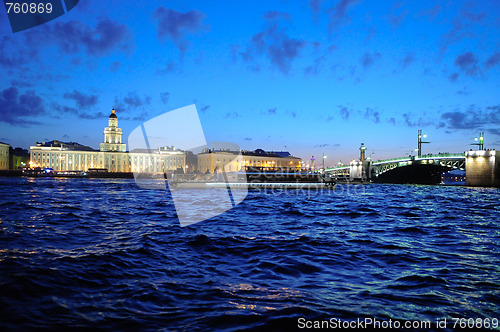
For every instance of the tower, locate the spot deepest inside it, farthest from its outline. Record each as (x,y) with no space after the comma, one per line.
(113,136)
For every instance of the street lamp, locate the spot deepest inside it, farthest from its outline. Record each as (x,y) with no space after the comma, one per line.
(420,142)
(324,157)
(480,141)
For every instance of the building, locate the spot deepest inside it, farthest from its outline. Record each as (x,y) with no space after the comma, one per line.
(233,161)
(4,156)
(112,155)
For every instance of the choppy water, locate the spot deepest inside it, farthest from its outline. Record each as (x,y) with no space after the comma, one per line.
(105,254)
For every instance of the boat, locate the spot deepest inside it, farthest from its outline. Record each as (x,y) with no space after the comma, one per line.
(238,180)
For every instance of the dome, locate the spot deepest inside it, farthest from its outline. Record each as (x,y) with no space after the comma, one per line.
(113,115)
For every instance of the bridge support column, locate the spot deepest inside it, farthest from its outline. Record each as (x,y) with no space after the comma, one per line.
(482,168)
(360,170)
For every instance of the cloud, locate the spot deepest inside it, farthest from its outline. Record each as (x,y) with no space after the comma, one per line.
(164,97)
(493,60)
(367,60)
(373,115)
(467,62)
(391,121)
(461,26)
(473,118)
(169,67)
(72,37)
(82,100)
(175,26)
(233,115)
(396,16)
(272,110)
(453,77)
(344,112)
(322,145)
(274,43)
(315,6)
(16,107)
(407,60)
(132,102)
(247,139)
(205,108)
(79,112)
(338,13)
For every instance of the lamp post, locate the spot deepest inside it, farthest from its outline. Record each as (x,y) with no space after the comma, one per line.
(420,142)
(480,141)
(324,157)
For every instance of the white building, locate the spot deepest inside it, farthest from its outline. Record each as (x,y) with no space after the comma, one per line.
(4,156)
(111,156)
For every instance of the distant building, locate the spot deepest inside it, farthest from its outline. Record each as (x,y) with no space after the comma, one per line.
(209,160)
(4,156)
(111,156)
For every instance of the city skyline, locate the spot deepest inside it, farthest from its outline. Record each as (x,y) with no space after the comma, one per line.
(310,78)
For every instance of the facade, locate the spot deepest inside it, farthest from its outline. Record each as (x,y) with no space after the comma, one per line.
(111,156)
(4,156)
(234,161)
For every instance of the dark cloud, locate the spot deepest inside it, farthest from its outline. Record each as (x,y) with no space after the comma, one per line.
(329,118)
(74,36)
(344,112)
(373,115)
(453,77)
(247,139)
(292,113)
(272,110)
(168,68)
(274,43)
(82,100)
(17,109)
(175,26)
(396,14)
(79,112)
(132,102)
(493,60)
(407,60)
(369,59)
(14,54)
(233,115)
(205,108)
(391,121)
(338,13)
(462,26)
(322,145)
(164,97)
(467,62)
(473,118)
(315,6)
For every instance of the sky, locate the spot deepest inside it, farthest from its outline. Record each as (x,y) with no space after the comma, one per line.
(309,77)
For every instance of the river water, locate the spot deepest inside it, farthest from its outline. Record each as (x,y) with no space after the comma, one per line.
(105,254)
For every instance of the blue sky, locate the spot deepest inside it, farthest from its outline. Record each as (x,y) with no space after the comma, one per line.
(310,77)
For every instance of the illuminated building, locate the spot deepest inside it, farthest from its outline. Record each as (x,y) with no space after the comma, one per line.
(111,156)
(234,161)
(4,156)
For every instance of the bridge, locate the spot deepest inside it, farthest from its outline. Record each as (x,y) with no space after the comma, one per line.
(422,168)
(417,169)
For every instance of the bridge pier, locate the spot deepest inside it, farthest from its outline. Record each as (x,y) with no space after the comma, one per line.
(360,171)
(482,168)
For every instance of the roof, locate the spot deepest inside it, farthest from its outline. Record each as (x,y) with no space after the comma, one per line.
(65,145)
(113,115)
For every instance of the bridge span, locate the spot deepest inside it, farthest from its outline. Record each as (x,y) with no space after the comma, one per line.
(424,169)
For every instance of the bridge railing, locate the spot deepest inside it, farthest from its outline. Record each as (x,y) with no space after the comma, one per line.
(442,156)
(392,160)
